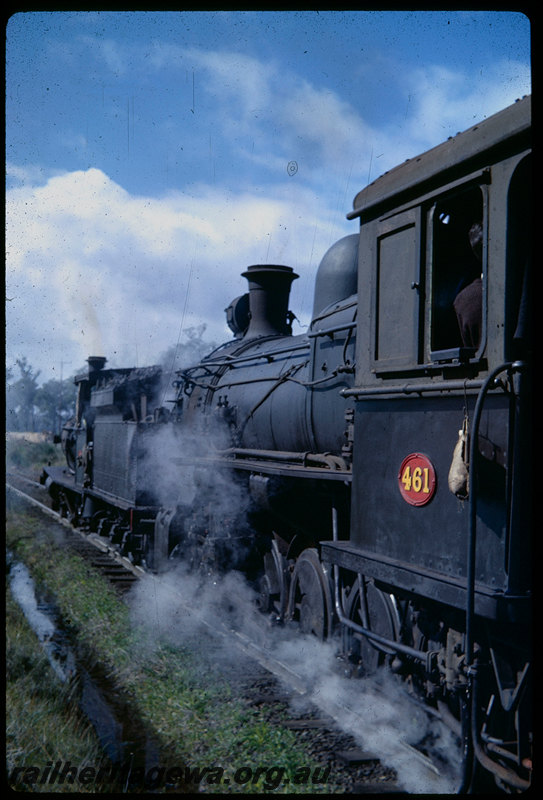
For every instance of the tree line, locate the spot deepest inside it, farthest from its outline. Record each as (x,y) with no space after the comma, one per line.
(34,408)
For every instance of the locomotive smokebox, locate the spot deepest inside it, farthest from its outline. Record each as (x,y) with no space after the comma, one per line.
(269,290)
(96,363)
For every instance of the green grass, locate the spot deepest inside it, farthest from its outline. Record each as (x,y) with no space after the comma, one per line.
(43,722)
(192,712)
(31,456)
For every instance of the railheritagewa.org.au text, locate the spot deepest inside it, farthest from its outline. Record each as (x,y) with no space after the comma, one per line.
(64,772)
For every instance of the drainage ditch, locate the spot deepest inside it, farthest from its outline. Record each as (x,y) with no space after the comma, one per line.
(130,749)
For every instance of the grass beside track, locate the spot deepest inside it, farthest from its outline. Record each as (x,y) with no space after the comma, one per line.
(195,717)
(43,721)
(25,453)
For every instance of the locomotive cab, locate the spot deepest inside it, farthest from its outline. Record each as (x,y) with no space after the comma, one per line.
(427,396)
(418,378)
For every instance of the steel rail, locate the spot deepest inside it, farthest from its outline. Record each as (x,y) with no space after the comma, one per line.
(96,542)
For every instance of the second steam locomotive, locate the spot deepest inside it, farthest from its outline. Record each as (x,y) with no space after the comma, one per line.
(372,476)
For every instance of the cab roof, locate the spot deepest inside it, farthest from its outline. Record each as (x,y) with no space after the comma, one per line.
(458,154)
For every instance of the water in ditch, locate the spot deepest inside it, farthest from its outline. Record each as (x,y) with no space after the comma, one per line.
(127,744)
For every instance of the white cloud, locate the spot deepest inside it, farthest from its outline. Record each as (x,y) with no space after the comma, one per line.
(233,76)
(268,114)
(90,265)
(94,270)
(106,50)
(445,102)
(271,115)
(322,117)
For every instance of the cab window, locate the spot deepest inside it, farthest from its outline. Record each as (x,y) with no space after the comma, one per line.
(456,298)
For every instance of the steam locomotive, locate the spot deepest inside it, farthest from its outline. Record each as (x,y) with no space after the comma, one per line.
(371,476)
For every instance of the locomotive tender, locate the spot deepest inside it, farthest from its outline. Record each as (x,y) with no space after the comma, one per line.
(378,466)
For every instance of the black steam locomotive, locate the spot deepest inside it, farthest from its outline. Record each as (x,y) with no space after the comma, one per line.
(373,475)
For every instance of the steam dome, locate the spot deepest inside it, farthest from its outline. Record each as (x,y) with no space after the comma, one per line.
(337,273)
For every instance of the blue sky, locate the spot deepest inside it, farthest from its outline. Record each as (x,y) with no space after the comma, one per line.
(148,153)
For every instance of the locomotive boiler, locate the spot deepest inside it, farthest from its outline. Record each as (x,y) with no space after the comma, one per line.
(372,475)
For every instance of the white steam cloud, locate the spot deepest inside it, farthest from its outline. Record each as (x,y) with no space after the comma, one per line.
(375,711)
(178,604)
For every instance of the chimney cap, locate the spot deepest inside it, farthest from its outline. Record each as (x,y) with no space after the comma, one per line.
(269,269)
(96,363)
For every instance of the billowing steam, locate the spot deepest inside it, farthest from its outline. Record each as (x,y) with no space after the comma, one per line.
(90,325)
(163,450)
(168,457)
(175,606)
(178,605)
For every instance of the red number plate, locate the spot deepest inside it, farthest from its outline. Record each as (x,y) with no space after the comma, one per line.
(417,479)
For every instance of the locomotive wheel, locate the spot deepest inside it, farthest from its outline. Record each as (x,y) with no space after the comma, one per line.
(370,607)
(273,587)
(310,600)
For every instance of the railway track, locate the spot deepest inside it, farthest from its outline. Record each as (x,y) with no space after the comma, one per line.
(328,719)
(120,571)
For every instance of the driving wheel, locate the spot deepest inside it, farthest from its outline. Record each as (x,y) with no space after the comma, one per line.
(310,600)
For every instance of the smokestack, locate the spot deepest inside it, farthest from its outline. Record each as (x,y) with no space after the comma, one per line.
(269,290)
(96,363)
